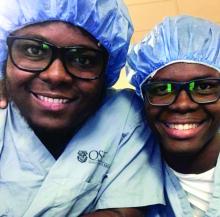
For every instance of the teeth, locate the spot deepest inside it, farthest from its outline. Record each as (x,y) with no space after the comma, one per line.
(183,126)
(52,100)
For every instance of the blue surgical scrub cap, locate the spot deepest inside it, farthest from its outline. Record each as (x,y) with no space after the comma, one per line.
(107,20)
(177,39)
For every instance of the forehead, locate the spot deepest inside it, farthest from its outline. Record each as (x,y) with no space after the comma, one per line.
(185,72)
(59,33)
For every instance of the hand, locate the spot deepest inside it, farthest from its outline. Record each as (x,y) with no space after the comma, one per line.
(121,212)
(3,95)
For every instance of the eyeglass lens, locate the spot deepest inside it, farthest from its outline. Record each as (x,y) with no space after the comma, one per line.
(30,54)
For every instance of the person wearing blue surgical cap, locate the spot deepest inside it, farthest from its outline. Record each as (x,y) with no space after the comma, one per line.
(176,71)
(69,144)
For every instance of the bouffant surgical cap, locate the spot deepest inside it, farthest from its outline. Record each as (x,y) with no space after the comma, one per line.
(107,21)
(177,39)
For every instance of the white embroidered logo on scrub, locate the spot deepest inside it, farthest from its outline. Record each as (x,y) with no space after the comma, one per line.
(82,156)
(93,156)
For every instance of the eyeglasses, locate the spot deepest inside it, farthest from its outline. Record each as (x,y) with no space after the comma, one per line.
(34,55)
(165,93)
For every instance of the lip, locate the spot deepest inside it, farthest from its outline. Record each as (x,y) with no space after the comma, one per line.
(51,101)
(184,130)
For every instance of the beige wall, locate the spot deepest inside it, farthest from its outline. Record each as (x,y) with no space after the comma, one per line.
(146,13)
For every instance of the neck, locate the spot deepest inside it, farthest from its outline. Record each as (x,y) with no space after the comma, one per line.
(55,142)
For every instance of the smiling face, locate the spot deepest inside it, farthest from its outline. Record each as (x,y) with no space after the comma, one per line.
(186,128)
(53,100)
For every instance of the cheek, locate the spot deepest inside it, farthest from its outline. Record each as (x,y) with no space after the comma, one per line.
(91,89)
(9,72)
(10,68)
(16,82)
(152,112)
(11,80)
(152,115)
(90,93)
(214,112)
(14,77)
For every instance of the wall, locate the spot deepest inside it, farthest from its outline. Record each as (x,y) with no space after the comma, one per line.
(146,13)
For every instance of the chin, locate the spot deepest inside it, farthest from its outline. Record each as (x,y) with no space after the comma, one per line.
(50,126)
(181,148)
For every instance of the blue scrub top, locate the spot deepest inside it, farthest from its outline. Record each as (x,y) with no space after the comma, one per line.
(177,204)
(109,163)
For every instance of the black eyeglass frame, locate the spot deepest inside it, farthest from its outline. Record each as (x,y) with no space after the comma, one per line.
(57,52)
(179,87)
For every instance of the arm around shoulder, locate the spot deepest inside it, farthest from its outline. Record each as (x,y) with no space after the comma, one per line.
(120,212)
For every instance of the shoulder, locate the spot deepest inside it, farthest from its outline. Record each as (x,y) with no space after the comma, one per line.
(124,106)
(123,100)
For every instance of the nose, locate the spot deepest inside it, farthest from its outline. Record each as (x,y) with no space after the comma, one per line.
(56,74)
(183,103)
